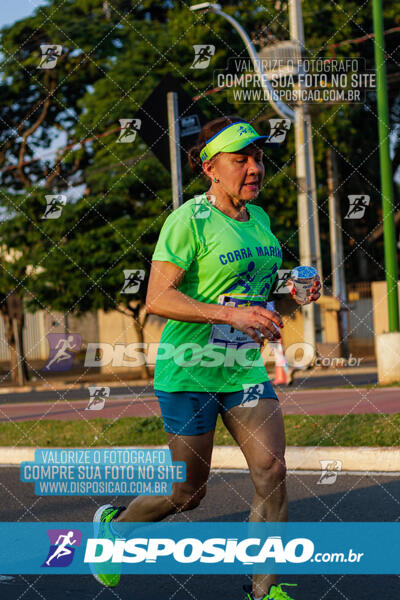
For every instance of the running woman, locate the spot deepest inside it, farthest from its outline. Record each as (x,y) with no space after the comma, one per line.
(213,267)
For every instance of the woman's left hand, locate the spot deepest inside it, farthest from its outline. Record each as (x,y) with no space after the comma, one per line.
(314,291)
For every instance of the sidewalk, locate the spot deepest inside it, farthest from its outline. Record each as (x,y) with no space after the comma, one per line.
(307,458)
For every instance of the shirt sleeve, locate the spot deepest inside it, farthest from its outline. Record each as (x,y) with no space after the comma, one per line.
(177,242)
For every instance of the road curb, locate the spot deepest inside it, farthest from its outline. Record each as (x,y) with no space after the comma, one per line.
(308,458)
(305,458)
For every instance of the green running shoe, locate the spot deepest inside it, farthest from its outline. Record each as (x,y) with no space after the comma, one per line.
(275,592)
(101,521)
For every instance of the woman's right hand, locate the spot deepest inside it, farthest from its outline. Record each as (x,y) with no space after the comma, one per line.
(257,322)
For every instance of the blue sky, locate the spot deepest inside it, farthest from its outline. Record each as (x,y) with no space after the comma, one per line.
(17,9)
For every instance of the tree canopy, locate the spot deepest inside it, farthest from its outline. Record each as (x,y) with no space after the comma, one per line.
(60,126)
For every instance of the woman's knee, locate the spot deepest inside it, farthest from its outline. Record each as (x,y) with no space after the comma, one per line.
(188,498)
(268,475)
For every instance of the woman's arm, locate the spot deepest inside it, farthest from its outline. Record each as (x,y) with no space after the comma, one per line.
(164,299)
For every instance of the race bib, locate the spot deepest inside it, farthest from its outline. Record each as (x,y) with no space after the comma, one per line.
(226,335)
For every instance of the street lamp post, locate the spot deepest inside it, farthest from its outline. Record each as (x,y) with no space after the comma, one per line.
(310,253)
(310,250)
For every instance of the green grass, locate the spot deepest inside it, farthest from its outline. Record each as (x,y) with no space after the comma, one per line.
(326,430)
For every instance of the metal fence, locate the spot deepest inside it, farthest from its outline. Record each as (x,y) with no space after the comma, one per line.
(359,289)
(33,335)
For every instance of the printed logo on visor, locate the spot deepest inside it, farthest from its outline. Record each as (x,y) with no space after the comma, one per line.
(242,130)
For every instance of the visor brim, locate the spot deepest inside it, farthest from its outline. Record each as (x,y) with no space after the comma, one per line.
(261,140)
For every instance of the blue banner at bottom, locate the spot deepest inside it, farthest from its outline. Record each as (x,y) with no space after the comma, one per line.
(200,548)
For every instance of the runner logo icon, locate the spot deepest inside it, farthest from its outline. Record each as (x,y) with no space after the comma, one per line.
(202,209)
(98,397)
(128,131)
(281,286)
(203,54)
(357,206)
(279,129)
(55,204)
(329,471)
(62,547)
(251,395)
(61,356)
(50,54)
(133,280)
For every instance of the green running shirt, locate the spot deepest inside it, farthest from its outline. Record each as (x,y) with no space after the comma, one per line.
(220,256)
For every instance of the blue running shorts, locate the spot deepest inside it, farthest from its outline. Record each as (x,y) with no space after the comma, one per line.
(194,413)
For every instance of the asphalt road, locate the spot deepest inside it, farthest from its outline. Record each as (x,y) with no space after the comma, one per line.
(303,380)
(139,404)
(351,498)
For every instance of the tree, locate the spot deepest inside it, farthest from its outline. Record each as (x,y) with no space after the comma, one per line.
(106,71)
(40,108)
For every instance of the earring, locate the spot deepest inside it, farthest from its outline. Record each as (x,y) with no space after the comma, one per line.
(215,180)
